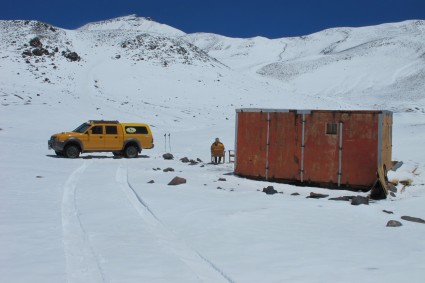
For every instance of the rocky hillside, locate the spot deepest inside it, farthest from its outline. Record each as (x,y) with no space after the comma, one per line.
(340,64)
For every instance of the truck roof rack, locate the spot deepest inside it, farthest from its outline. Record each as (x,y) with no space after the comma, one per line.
(103,122)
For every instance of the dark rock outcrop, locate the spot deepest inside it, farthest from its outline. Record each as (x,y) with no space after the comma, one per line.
(413,219)
(36,42)
(315,195)
(269,190)
(343,198)
(168,156)
(177,181)
(72,56)
(394,223)
(184,160)
(357,200)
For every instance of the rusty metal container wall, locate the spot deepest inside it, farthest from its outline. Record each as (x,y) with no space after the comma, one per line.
(360,149)
(284,149)
(251,144)
(321,149)
(348,157)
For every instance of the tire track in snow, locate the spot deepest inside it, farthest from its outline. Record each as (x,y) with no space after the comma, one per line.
(81,262)
(205,269)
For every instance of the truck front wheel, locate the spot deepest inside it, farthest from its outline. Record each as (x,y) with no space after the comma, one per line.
(72,151)
(131,151)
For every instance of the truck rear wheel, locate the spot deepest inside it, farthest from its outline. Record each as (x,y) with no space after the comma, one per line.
(131,151)
(72,151)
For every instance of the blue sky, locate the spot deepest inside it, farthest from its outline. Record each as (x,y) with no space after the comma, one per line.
(238,18)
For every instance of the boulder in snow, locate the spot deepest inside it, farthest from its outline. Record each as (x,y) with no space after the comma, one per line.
(394,223)
(168,156)
(316,195)
(269,190)
(177,181)
(357,200)
(413,219)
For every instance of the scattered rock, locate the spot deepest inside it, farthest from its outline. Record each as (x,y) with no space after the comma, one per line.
(168,156)
(169,169)
(184,160)
(396,165)
(357,200)
(36,42)
(72,56)
(269,190)
(37,52)
(222,179)
(343,198)
(192,162)
(117,56)
(151,182)
(315,195)
(295,194)
(199,160)
(37,176)
(391,188)
(27,53)
(177,181)
(219,188)
(413,219)
(394,223)
(392,194)
(387,211)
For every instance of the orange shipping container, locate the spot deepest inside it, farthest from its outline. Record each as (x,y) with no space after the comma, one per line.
(327,148)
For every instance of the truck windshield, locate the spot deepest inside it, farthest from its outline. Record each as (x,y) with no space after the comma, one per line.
(82,128)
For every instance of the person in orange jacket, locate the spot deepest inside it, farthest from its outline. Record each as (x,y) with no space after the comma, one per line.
(217,150)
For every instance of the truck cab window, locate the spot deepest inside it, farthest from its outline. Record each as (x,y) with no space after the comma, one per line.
(97,130)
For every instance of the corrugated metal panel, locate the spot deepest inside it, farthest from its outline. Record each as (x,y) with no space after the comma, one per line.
(284,146)
(276,145)
(251,144)
(321,149)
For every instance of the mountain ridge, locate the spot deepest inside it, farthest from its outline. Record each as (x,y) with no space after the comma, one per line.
(386,61)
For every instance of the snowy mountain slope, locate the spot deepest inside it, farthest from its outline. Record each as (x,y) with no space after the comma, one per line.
(134,23)
(351,63)
(97,219)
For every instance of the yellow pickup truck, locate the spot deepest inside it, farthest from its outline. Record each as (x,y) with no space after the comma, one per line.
(126,139)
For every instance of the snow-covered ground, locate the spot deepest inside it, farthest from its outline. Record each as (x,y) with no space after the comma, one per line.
(98,219)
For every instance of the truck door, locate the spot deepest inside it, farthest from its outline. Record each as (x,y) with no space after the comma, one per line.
(96,140)
(113,140)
